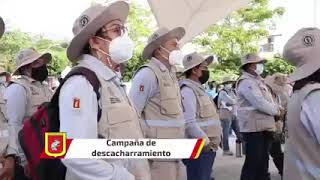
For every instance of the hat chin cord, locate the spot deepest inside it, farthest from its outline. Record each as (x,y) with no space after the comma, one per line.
(108,57)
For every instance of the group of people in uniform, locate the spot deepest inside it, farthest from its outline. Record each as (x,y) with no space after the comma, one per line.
(161,106)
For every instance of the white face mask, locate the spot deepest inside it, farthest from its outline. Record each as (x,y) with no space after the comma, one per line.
(259,69)
(120,48)
(175,56)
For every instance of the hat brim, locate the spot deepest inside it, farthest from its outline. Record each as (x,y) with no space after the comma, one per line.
(258,61)
(304,71)
(46,56)
(178,33)
(2,27)
(209,60)
(116,11)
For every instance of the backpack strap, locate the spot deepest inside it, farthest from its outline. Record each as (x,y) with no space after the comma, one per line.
(89,75)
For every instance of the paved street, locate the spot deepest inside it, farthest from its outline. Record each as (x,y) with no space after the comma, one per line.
(229,167)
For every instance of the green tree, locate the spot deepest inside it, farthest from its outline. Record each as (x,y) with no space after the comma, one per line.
(238,34)
(13,41)
(140,28)
(278,65)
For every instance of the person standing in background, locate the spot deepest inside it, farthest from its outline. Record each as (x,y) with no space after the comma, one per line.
(227,100)
(256,111)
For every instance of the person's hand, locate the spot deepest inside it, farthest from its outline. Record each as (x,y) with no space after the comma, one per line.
(7,172)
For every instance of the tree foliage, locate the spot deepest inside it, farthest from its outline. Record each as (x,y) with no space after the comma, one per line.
(238,34)
(13,41)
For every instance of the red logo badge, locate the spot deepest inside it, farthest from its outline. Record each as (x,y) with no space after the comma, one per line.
(55,144)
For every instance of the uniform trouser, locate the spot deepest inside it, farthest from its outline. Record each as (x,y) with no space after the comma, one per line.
(167,170)
(201,168)
(256,164)
(277,155)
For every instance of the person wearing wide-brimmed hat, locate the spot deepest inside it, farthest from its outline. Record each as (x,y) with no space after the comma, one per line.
(156,95)
(281,90)
(100,44)
(302,159)
(255,112)
(23,95)
(200,114)
(227,100)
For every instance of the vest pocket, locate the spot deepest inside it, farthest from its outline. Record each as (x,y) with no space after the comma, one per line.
(170,106)
(119,114)
(206,107)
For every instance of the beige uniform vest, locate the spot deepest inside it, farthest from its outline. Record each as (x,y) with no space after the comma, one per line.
(302,156)
(37,93)
(119,120)
(163,113)
(250,119)
(207,116)
(4,133)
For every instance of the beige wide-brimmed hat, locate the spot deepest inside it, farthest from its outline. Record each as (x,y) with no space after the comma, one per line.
(303,51)
(160,37)
(28,56)
(194,59)
(2,27)
(90,21)
(277,81)
(251,58)
(227,79)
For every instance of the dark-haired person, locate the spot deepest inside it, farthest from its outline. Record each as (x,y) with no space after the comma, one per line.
(255,110)
(23,95)
(200,114)
(302,152)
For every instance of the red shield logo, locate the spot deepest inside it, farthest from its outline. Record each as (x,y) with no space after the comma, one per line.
(55,144)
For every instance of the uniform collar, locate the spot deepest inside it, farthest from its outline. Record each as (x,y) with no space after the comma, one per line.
(251,76)
(197,84)
(97,66)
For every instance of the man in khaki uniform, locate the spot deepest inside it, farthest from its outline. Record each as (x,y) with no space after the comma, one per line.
(281,90)
(256,111)
(23,96)
(302,160)
(200,114)
(156,96)
(100,44)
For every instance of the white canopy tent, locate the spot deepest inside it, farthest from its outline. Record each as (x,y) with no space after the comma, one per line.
(196,16)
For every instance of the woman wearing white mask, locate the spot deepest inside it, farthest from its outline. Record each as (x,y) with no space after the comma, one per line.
(156,96)
(100,44)
(256,111)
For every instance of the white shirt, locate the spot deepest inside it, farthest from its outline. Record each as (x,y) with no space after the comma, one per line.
(16,103)
(310,114)
(82,123)
(189,102)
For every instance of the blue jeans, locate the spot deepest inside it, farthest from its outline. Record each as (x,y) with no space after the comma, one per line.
(201,168)
(227,125)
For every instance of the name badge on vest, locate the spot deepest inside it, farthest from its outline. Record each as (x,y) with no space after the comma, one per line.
(114,100)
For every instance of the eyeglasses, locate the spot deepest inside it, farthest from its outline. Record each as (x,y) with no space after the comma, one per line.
(120,30)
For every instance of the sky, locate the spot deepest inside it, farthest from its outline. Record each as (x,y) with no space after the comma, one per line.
(54,18)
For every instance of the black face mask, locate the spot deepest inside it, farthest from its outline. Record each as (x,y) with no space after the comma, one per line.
(40,73)
(205,76)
